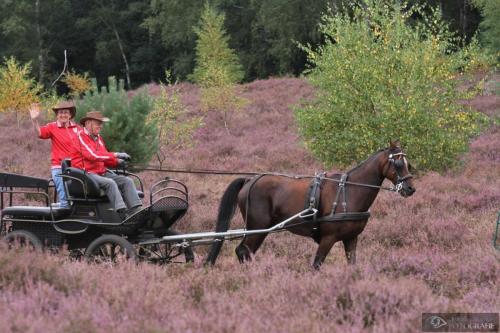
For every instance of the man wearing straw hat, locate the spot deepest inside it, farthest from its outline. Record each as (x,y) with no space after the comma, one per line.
(63,136)
(93,157)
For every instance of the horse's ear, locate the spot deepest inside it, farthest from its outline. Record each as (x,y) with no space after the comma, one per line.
(395,144)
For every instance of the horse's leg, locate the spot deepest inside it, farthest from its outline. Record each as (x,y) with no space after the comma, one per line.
(350,249)
(258,217)
(249,244)
(325,245)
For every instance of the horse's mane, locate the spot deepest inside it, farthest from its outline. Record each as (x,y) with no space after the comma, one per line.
(369,158)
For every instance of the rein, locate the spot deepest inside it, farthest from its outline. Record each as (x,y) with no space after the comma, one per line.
(390,188)
(254,173)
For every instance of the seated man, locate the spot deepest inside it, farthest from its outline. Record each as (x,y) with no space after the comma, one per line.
(93,157)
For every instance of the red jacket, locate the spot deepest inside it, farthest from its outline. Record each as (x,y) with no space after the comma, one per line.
(92,155)
(63,140)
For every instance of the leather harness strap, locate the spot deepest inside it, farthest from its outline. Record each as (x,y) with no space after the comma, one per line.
(314,192)
(313,200)
(340,191)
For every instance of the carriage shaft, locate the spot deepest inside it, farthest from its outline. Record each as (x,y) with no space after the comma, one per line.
(237,233)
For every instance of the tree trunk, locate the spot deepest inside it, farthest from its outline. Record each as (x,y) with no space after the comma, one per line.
(41,58)
(124,56)
(150,58)
(463,18)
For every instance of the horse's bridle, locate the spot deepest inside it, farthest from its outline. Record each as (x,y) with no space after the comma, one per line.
(399,160)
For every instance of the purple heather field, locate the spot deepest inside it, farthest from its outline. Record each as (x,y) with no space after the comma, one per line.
(431,252)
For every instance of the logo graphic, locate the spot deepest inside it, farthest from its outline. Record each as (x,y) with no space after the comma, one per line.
(460,322)
(436,322)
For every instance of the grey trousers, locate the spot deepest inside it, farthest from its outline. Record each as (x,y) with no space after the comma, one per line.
(119,189)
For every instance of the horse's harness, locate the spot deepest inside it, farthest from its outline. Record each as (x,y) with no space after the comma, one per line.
(398,160)
(334,216)
(313,196)
(314,192)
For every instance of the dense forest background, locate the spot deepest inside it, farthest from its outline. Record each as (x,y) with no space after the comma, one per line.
(137,40)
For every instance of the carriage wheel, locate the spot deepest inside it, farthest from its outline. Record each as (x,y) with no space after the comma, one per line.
(23,238)
(110,249)
(164,253)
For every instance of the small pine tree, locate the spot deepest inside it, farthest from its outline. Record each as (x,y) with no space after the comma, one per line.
(127,130)
(217,68)
(17,89)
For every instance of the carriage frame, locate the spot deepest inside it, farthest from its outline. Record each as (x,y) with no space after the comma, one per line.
(90,227)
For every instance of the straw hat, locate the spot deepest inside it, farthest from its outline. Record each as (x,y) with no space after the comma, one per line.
(94,115)
(66,105)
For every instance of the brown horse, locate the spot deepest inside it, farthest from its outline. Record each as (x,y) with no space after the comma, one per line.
(342,204)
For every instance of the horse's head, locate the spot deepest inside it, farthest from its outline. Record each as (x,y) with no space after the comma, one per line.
(397,169)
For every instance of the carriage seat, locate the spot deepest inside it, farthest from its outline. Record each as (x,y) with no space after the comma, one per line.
(87,185)
(34,212)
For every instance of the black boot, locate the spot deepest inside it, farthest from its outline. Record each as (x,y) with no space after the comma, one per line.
(134,210)
(122,212)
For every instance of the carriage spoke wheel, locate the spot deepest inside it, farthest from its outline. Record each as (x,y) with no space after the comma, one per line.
(165,253)
(23,239)
(110,249)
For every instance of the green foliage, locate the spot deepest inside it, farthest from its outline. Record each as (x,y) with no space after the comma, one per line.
(473,58)
(490,25)
(171,23)
(174,128)
(216,63)
(17,88)
(78,84)
(143,37)
(275,30)
(36,32)
(382,78)
(127,130)
(217,66)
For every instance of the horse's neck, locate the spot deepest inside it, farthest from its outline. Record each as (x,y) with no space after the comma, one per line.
(368,173)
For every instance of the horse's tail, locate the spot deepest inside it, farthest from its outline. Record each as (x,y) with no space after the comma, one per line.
(227,208)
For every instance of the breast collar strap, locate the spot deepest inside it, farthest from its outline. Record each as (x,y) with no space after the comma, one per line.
(341,190)
(315,190)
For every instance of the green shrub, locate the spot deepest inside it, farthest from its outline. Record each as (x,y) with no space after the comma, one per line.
(174,128)
(17,88)
(382,76)
(490,25)
(127,130)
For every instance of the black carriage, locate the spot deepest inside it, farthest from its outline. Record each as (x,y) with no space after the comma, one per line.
(90,227)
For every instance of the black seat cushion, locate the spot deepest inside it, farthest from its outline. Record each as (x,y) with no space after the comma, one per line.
(87,185)
(36,212)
